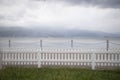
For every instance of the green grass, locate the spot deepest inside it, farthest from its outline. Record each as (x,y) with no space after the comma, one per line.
(58,74)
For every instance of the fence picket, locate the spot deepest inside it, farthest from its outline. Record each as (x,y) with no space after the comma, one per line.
(57,57)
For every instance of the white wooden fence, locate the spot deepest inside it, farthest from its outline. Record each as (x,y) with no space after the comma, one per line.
(60,57)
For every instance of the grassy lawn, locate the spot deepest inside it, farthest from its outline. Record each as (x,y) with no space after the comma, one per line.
(58,74)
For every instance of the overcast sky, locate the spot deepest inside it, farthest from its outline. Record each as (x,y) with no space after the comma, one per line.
(97,15)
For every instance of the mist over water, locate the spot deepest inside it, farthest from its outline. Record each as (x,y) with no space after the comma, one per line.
(81,43)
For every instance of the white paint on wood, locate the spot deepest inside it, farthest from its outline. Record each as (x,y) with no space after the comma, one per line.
(73,57)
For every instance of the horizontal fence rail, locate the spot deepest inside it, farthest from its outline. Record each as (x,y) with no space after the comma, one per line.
(45,57)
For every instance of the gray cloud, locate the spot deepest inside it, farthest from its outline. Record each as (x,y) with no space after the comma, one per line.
(95,3)
(98,3)
(62,13)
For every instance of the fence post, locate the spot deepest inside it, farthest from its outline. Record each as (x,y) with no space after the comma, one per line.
(41,44)
(71,43)
(0,59)
(93,61)
(9,43)
(39,59)
(107,45)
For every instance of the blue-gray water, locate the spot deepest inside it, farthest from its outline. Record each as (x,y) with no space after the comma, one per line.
(58,43)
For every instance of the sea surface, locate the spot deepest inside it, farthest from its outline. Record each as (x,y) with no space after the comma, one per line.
(59,43)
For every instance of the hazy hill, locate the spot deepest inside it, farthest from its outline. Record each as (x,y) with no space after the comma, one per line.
(46,32)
